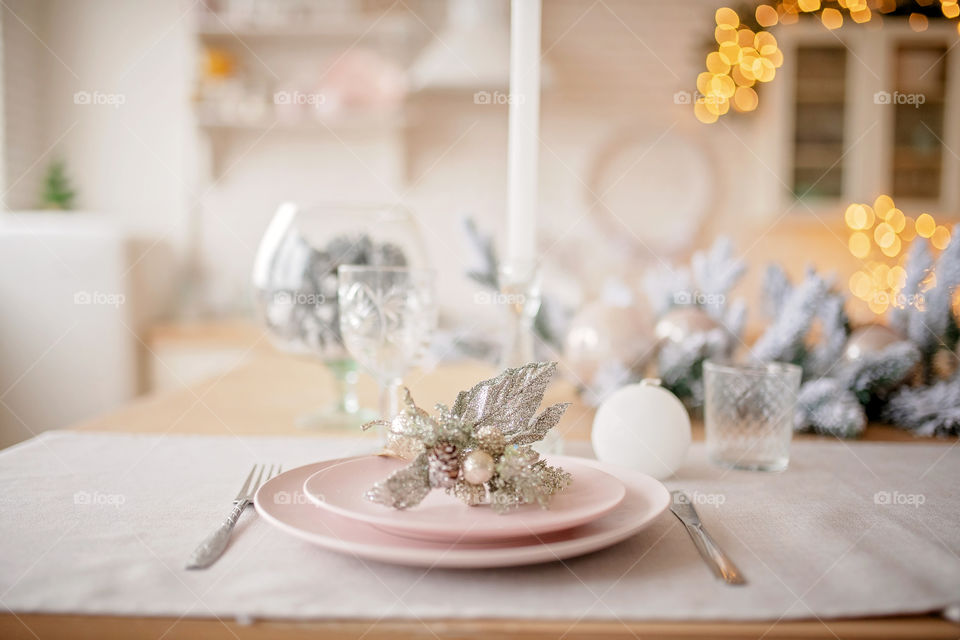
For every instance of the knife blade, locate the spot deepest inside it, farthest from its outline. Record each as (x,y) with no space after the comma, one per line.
(721,565)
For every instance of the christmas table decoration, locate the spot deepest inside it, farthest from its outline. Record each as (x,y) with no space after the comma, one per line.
(479,450)
(844,372)
(642,427)
(695,319)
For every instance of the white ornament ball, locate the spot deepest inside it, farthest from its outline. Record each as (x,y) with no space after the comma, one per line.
(680,323)
(868,340)
(477,467)
(600,333)
(642,427)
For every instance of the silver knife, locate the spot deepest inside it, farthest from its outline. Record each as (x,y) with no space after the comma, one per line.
(717,560)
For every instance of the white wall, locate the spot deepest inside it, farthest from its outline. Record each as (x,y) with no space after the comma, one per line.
(616,65)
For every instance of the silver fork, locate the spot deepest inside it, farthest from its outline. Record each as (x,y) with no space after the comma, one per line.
(212,547)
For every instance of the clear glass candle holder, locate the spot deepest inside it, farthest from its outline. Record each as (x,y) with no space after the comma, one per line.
(748,414)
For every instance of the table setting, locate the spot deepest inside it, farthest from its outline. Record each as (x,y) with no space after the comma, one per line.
(644,466)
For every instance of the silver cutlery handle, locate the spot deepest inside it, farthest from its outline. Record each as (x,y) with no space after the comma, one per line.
(212,547)
(718,561)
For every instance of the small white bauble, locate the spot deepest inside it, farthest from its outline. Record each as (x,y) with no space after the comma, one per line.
(477,467)
(680,323)
(642,427)
(600,333)
(869,339)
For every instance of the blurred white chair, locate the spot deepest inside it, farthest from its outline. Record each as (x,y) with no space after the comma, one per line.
(67,351)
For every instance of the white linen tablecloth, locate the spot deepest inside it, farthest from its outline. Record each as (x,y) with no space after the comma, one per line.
(102,524)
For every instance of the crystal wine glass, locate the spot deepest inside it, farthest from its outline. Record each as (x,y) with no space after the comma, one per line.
(295,279)
(387,316)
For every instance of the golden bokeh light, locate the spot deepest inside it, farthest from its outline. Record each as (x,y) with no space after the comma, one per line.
(788,17)
(882,205)
(859,244)
(725,33)
(909,229)
(879,271)
(727,16)
(715,104)
(739,78)
(765,43)
(884,235)
(893,249)
(745,99)
(751,56)
(716,63)
(940,238)
(722,86)
(731,53)
(776,58)
(896,277)
(703,81)
(883,248)
(925,225)
(861,285)
(763,70)
(896,219)
(702,114)
(766,15)
(878,304)
(831,18)
(854,216)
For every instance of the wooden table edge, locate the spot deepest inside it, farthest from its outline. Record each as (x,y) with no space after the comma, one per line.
(15,626)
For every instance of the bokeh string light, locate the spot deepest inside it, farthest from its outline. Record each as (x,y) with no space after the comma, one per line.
(880,235)
(745,58)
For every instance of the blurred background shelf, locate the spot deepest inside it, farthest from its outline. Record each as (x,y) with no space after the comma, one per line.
(359,122)
(332,28)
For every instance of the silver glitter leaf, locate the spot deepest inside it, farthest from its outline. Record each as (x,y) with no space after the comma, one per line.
(508,401)
(403,488)
(544,422)
(413,422)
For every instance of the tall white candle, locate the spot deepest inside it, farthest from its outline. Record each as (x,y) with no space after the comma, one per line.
(524,128)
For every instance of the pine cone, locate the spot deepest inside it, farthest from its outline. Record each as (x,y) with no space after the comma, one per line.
(444,464)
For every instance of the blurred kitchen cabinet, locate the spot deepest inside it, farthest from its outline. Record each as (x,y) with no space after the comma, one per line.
(863,111)
(67,340)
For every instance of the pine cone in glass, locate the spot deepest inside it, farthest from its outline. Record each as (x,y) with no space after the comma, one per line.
(444,464)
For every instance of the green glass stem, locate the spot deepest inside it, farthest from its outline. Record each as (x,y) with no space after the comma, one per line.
(345,378)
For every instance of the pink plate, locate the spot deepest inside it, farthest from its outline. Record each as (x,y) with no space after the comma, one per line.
(281,502)
(340,488)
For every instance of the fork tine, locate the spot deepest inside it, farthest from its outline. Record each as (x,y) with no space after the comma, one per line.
(260,480)
(246,484)
(274,472)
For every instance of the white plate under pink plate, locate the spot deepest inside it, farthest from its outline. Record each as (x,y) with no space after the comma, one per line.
(340,488)
(281,502)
